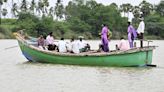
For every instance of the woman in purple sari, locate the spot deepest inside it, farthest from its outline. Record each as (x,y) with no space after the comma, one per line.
(131,34)
(104,38)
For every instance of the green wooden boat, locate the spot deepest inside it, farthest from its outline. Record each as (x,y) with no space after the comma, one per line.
(132,57)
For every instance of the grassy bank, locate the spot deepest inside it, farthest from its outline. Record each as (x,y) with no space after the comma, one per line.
(7,28)
(60,29)
(5,32)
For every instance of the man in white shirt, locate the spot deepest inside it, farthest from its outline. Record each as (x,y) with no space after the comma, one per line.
(62,46)
(69,45)
(83,46)
(140,31)
(130,16)
(75,47)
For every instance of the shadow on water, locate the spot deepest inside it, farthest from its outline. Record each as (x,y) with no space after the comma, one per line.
(29,63)
(36,63)
(102,68)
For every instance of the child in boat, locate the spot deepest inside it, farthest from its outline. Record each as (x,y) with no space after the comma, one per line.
(62,46)
(83,45)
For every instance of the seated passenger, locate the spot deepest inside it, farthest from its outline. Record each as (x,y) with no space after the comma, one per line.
(62,46)
(100,47)
(75,47)
(50,42)
(123,45)
(83,45)
(42,43)
(69,45)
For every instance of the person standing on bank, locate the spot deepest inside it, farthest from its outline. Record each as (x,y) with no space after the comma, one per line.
(104,38)
(140,30)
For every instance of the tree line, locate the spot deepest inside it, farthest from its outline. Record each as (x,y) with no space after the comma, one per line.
(84,17)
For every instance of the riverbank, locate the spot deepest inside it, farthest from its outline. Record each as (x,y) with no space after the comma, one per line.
(6,32)
(9,26)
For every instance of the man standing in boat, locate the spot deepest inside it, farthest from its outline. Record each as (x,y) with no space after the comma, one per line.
(140,30)
(104,38)
(131,34)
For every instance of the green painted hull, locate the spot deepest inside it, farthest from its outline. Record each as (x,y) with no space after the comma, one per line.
(140,57)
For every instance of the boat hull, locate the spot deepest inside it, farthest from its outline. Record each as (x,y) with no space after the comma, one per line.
(137,58)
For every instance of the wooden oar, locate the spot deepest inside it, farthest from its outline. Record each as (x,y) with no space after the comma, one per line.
(9,47)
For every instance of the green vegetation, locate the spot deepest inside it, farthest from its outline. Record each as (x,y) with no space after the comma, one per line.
(7,28)
(81,17)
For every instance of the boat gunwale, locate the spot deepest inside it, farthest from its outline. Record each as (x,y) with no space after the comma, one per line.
(95,54)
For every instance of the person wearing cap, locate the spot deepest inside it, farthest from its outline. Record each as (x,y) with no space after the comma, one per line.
(104,38)
(140,30)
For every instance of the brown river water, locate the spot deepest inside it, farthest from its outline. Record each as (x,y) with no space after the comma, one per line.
(18,75)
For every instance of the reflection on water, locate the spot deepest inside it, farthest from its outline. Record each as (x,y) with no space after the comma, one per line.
(18,75)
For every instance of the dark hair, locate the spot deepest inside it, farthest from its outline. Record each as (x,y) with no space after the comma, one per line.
(81,39)
(129,23)
(122,37)
(62,38)
(72,39)
(44,36)
(51,33)
(104,24)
